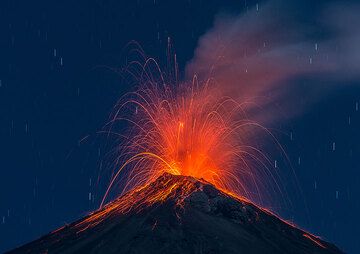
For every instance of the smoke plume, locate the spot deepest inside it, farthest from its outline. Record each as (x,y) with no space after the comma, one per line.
(280,58)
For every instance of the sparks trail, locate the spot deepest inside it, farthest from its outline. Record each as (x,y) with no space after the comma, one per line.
(188,129)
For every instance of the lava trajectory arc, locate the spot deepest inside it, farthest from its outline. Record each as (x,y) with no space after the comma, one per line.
(188,128)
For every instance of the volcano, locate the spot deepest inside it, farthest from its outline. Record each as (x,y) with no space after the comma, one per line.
(179,214)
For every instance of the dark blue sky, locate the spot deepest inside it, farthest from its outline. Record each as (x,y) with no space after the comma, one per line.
(56,89)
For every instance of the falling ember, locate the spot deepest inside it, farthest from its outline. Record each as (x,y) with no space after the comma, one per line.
(189,129)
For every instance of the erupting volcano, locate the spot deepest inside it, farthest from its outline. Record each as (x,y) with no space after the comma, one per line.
(188,178)
(189,129)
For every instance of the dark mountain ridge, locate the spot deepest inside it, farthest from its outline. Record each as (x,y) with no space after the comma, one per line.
(179,214)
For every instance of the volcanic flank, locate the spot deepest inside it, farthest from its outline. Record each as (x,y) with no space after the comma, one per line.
(179,214)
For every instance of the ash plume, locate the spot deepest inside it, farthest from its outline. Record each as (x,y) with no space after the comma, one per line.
(276,60)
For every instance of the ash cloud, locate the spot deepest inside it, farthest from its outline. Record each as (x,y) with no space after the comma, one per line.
(279,57)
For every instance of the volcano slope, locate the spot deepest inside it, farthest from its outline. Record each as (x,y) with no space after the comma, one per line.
(179,214)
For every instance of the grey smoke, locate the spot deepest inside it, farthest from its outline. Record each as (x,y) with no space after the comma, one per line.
(262,55)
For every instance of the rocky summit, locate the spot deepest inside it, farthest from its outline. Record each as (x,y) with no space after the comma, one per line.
(179,214)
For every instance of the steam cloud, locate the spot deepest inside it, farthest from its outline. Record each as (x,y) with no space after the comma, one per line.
(263,54)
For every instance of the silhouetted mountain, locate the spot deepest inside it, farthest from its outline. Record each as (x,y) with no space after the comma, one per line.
(179,214)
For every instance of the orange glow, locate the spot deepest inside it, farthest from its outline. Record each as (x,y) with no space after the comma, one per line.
(142,197)
(314,239)
(175,191)
(188,129)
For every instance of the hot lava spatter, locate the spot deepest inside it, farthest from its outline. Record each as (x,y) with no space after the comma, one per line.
(188,173)
(179,214)
(189,129)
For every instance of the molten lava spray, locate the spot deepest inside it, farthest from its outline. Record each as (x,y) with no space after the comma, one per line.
(189,129)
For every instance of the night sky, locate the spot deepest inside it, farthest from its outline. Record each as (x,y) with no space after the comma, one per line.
(58,85)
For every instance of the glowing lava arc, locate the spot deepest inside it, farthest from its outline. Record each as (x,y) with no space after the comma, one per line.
(190,129)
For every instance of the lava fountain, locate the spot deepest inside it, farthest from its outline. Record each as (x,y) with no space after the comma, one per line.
(190,172)
(189,129)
